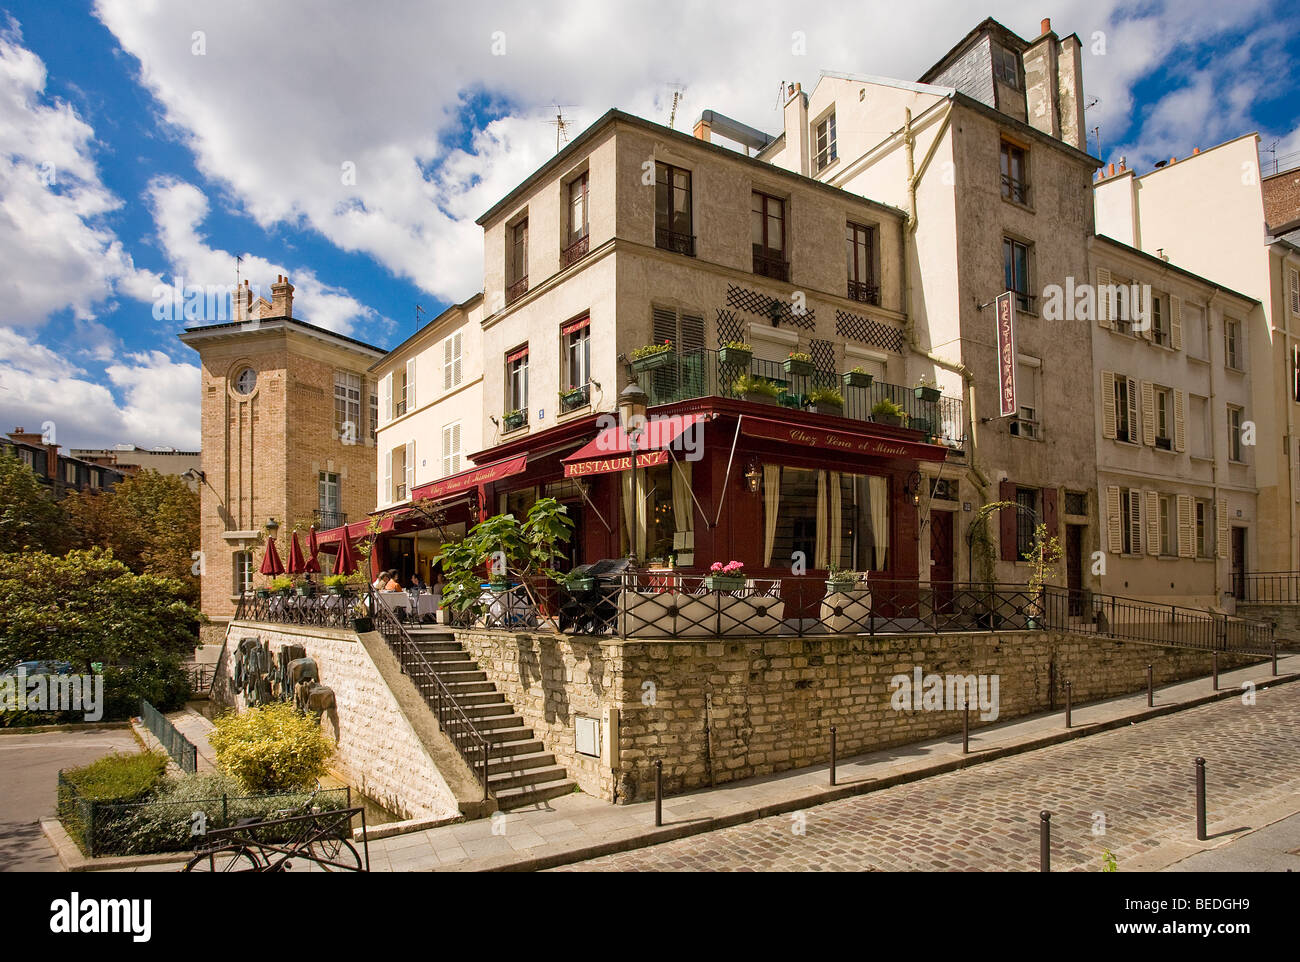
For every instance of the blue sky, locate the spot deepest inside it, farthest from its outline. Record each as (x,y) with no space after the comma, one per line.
(145,144)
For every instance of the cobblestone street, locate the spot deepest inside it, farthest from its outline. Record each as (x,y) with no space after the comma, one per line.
(1138,780)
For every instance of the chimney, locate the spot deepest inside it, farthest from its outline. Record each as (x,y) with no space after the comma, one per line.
(1046,26)
(702,130)
(796,129)
(281,297)
(241,299)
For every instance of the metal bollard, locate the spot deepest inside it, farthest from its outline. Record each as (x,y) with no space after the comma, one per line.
(1200,799)
(1274,657)
(659,792)
(1044,841)
(832,754)
(1214,680)
(965,729)
(1067,704)
(1151,691)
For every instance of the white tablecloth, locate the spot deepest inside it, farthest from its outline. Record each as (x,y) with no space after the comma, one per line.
(426,603)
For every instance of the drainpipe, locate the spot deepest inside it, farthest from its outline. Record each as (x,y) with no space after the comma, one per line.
(909,231)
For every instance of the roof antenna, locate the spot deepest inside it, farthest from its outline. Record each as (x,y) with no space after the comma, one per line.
(561,125)
(679,94)
(418,311)
(234,298)
(1272,149)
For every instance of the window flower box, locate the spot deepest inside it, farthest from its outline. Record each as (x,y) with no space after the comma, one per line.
(573,398)
(799,365)
(735,356)
(857,379)
(926,393)
(514,420)
(652,356)
(724,582)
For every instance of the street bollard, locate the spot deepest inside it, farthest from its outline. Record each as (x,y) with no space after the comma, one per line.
(965,729)
(832,754)
(1214,678)
(1044,841)
(1067,704)
(1151,691)
(659,792)
(1274,657)
(1200,799)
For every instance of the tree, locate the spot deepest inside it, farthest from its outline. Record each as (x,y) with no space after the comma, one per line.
(29,519)
(150,522)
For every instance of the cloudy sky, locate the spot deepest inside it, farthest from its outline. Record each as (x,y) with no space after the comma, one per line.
(146,143)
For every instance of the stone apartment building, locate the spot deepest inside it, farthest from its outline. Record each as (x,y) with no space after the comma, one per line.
(132,459)
(288,421)
(59,473)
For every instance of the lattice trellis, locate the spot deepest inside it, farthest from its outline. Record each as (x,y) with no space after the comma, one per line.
(868,331)
(823,354)
(730,327)
(742,298)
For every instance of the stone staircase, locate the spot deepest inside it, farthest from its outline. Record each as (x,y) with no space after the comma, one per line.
(520,770)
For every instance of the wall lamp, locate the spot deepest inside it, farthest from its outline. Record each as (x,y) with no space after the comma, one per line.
(754,478)
(193,474)
(272,526)
(913,487)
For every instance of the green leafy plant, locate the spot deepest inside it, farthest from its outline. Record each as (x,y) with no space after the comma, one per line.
(925,381)
(826,395)
(336,581)
(738,346)
(982,541)
(118,777)
(751,384)
(1108,861)
(650,350)
(858,370)
(272,748)
(1043,559)
(280,583)
(886,408)
(801,356)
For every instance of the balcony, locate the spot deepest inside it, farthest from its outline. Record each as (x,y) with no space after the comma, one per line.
(326,518)
(517,290)
(771,264)
(671,240)
(700,373)
(864,292)
(575,251)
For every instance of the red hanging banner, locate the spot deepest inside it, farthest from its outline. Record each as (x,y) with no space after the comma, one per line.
(1006,314)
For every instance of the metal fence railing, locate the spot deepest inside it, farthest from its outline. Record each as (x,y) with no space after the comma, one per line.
(1267,587)
(173,742)
(329,608)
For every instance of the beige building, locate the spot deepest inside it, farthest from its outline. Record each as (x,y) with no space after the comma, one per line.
(131,459)
(1176,482)
(288,422)
(987,156)
(1205,213)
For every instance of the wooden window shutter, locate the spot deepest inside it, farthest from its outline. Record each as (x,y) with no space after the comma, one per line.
(1103,299)
(1180,421)
(692,336)
(1135,519)
(665,326)
(410,385)
(386,397)
(1148,413)
(1221,519)
(1114,531)
(1176,322)
(1133,423)
(456,371)
(388,476)
(1186,526)
(1153,522)
(1108,423)
(1050,513)
(448,364)
(410,468)
(1007,521)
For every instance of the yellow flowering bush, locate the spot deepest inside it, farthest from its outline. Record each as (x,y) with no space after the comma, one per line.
(273,748)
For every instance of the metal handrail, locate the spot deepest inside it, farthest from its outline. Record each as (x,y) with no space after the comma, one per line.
(1267,587)
(452,719)
(184,751)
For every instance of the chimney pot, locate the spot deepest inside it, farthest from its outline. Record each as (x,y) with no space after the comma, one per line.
(1047,26)
(1195,151)
(1112,171)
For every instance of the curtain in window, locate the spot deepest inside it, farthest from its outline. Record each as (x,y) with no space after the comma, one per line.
(879,488)
(682,513)
(820,550)
(642,512)
(629,510)
(771,501)
(836,518)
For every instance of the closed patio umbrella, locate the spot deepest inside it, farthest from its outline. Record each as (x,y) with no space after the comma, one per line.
(297,565)
(347,557)
(312,565)
(271,563)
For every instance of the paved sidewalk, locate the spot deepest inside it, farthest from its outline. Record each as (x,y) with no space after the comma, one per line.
(579,827)
(194,727)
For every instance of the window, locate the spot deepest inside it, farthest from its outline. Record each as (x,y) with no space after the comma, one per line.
(859,502)
(1025,424)
(1026,521)
(1015,266)
(517,381)
(95,478)
(1076,502)
(1235,452)
(1160,321)
(1164,418)
(575,338)
(767,220)
(347,406)
(399,472)
(245,381)
(1126,409)
(1194,334)
(578,208)
(241,563)
(327,500)
(1168,526)
(451,449)
(27,457)
(374,414)
(451,357)
(519,252)
(403,387)
(1130,520)
(1232,346)
(1006,66)
(1015,184)
(674,227)
(824,142)
(1295,291)
(1204,530)
(70,472)
(861,245)
(1200,444)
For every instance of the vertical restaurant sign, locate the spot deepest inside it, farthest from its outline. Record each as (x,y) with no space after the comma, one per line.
(1006,312)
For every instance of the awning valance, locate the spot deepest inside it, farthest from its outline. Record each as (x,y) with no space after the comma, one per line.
(612,450)
(456,483)
(844,442)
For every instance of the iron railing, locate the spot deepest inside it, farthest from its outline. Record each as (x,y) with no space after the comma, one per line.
(331,608)
(771,264)
(184,751)
(327,518)
(701,373)
(473,746)
(1015,189)
(1267,587)
(575,251)
(675,241)
(866,293)
(517,290)
(201,677)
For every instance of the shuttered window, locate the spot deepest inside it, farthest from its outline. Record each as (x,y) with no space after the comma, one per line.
(451,449)
(451,361)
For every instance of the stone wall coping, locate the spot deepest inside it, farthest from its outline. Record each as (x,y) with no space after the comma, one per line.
(309,631)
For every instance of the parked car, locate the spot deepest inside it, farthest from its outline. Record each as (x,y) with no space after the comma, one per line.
(34,668)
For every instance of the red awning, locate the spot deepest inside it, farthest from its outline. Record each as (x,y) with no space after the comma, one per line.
(457,483)
(611,450)
(844,442)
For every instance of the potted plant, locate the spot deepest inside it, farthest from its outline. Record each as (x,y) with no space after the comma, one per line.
(574,397)
(362,621)
(925,390)
(306,588)
(857,378)
(840,579)
(651,356)
(886,411)
(283,585)
(336,584)
(263,592)
(577,583)
(1043,558)
(725,577)
(514,420)
(825,400)
(735,354)
(799,364)
(756,390)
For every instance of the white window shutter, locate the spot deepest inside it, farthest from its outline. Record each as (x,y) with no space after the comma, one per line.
(388,476)
(1135,519)
(1221,517)
(410,385)
(1134,426)
(1176,322)
(1108,422)
(1180,421)
(410,468)
(457,372)
(1153,522)
(1148,414)
(1114,532)
(1186,526)
(448,364)
(386,398)
(1103,299)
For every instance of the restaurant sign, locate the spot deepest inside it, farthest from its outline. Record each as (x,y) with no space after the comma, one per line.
(841,441)
(471,479)
(622,462)
(1006,314)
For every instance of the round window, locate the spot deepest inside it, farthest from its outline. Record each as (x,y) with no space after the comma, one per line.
(246,381)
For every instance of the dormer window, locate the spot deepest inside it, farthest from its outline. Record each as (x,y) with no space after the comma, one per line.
(1006,67)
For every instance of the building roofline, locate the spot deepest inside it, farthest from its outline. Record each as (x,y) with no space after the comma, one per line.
(1191,157)
(465,305)
(983,26)
(205,331)
(920,87)
(1027,129)
(616,116)
(1159,262)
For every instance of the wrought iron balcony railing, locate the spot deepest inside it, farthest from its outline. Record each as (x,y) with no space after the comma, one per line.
(671,240)
(327,518)
(517,290)
(575,251)
(864,292)
(771,264)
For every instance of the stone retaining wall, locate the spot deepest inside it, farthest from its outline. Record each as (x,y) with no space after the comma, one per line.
(716,711)
(1285,617)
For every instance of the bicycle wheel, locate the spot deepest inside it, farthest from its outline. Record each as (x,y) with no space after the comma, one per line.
(337,850)
(235,858)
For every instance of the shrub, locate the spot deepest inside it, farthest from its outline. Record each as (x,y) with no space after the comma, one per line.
(273,748)
(749,384)
(119,777)
(886,408)
(826,395)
